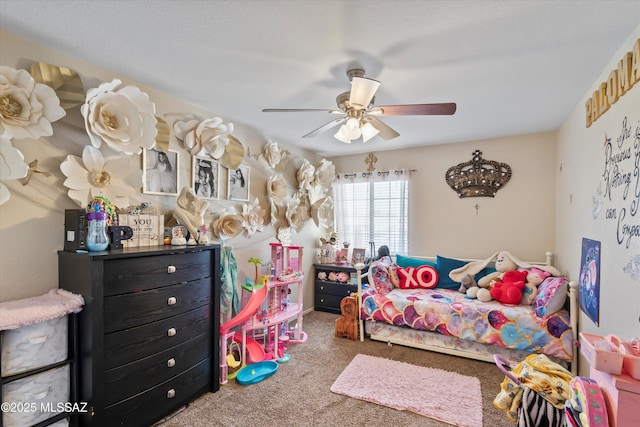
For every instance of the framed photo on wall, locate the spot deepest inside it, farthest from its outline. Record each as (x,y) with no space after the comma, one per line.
(204,177)
(238,183)
(160,172)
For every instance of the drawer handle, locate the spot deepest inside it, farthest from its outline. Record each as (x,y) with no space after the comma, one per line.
(171,363)
(171,394)
(321,299)
(322,288)
(171,269)
(171,332)
(172,300)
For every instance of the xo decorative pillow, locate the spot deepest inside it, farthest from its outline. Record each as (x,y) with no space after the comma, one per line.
(379,278)
(552,294)
(423,277)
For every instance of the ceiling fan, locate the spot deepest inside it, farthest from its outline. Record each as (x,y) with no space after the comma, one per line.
(359,116)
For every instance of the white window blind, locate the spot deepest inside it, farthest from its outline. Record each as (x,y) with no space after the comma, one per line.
(372,209)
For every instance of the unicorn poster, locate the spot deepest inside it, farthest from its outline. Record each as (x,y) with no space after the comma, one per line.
(589,285)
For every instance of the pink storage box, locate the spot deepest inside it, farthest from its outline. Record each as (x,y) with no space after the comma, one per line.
(630,362)
(602,360)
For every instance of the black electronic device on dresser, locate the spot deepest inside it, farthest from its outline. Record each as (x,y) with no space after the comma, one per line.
(332,283)
(149,333)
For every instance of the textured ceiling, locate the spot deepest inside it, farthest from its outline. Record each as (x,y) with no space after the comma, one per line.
(513,67)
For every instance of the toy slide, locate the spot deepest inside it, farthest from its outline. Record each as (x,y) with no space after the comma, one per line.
(255,351)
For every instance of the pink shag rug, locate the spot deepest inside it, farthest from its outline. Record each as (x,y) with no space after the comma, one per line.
(445,396)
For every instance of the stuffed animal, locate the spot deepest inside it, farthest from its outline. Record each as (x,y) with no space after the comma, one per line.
(504,261)
(508,289)
(535,276)
(469,286)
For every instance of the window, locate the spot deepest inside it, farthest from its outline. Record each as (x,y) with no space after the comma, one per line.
(372,210)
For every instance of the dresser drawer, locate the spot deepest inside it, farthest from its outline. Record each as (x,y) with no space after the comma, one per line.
(133,378)
(136,274)
(138,308)
(335,289)
(328,302)
(136,343)
(159,400)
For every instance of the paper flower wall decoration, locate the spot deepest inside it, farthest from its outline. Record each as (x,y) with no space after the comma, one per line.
(228,224)
(124,117)
(12,166)
(325,174)
(276,188)
(272,156)
(91,176)
(322,213)
(252,217)
(276,193)
(305,175)
(297,211)
(209,136)
(27,108)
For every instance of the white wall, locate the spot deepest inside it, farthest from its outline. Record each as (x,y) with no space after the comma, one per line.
(520,219)
(582,168)
(32,221)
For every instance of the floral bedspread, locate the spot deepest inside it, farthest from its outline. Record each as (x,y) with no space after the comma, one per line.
(450,313)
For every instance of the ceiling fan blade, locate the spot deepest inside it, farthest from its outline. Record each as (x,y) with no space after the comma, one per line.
(444,109)
(326,127)
(386,132)
(362,91)
(300,110)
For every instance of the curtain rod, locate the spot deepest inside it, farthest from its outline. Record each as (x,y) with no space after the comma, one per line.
(397,172)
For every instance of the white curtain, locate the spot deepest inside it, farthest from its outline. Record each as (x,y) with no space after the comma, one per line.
(371,210)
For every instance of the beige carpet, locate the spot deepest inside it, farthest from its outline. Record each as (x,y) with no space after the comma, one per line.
(299,393)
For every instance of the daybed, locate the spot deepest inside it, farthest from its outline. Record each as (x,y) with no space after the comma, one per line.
(445,320)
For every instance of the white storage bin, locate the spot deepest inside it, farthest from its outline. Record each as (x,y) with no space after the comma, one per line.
(34,346)
(37,392)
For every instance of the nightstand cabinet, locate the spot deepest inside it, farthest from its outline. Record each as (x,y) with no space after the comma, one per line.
(332,283)
(149,331)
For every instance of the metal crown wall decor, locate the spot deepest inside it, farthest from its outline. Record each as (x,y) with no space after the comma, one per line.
(478,177)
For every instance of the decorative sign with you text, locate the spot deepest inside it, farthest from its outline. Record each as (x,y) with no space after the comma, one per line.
(619,192)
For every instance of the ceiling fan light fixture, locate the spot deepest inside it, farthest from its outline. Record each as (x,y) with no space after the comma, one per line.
(351,129)
(362,91)
(368,132)
(341,136)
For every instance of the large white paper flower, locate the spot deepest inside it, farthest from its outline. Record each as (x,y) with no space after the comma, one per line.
(305,175)
(12,166)
(276,188)
(123,118)
(252,217)
(325,174)
(228,224)
(92,176)
(27,108)
(292,214)
(322,213)
(272,155)
(210,136)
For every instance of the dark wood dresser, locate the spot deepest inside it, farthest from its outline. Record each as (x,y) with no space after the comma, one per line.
(332,283)
(149,332)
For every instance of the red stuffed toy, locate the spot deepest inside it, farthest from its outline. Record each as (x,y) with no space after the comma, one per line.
(508,290)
